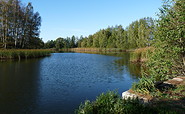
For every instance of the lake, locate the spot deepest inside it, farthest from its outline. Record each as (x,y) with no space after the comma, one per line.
(59,83)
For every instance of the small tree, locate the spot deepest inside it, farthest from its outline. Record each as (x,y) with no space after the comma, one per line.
(169,56)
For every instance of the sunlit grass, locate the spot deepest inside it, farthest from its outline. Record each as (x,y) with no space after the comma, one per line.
(112,103)
(94,50)
(141,54)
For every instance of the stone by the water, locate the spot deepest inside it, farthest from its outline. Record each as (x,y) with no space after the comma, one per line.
(127,95)
(177,79)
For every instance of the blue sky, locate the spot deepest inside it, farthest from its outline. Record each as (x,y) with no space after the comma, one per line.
(62,18)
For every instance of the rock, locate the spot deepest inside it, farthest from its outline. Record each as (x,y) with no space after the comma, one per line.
(177,79)
(145,100)
(127,95)
(174,81)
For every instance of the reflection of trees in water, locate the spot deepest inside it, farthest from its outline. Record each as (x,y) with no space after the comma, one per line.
(18,86)
(124,63)
(133,68)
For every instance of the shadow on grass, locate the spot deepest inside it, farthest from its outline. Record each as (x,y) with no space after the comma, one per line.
(177,106)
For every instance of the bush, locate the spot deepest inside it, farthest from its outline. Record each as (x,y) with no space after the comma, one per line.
(112,103)
(144,86)
(141,54)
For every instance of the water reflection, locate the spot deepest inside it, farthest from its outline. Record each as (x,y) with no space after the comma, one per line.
(123,63)
(18,86)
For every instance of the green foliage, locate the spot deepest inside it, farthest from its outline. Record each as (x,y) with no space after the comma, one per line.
(173,93)
(19,25)
(60,43)
(168,58)
(138,34)
(112,103)
(144,86)
(72,42)
(141,54)
(106,103)
(50,44)
(22,53)
(160,68)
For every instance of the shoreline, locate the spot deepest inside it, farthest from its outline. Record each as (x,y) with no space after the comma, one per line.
(19,54)
(166,87)
(95,50)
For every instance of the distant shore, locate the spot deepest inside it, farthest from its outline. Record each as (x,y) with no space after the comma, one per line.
(139,55)
(94,50)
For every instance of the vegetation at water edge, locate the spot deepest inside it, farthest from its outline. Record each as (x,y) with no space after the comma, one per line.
(168,58)
(112,103)
(165,61)
(141,55)
(23,53)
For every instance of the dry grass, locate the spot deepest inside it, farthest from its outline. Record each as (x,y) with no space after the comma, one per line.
(94,50)
(141,55)
(147,96)
(141,50)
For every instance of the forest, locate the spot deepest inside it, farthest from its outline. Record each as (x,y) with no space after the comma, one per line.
(19,26)
(20,29)
(137,35)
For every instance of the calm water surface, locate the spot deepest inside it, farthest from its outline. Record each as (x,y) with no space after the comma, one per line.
(59,83)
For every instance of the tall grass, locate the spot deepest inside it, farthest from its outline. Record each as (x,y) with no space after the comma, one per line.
(112,103)
(23,53)
(141,54)
(144,86)
(94,50)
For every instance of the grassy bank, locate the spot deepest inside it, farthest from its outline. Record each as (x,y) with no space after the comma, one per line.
(170,93)
(141,54)
(165,100)
(94,50)
(136,55)
(23,53)
(112,103)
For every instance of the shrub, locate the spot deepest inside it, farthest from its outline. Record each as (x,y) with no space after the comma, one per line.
(144,86)
(141,54)
(112,103)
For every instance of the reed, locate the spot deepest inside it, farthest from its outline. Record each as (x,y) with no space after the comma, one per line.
(141,54)
(23,53)
(94,50)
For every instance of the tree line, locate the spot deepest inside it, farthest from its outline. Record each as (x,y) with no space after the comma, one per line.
(69,42)
(20,28)
(137,35)
(19,25)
